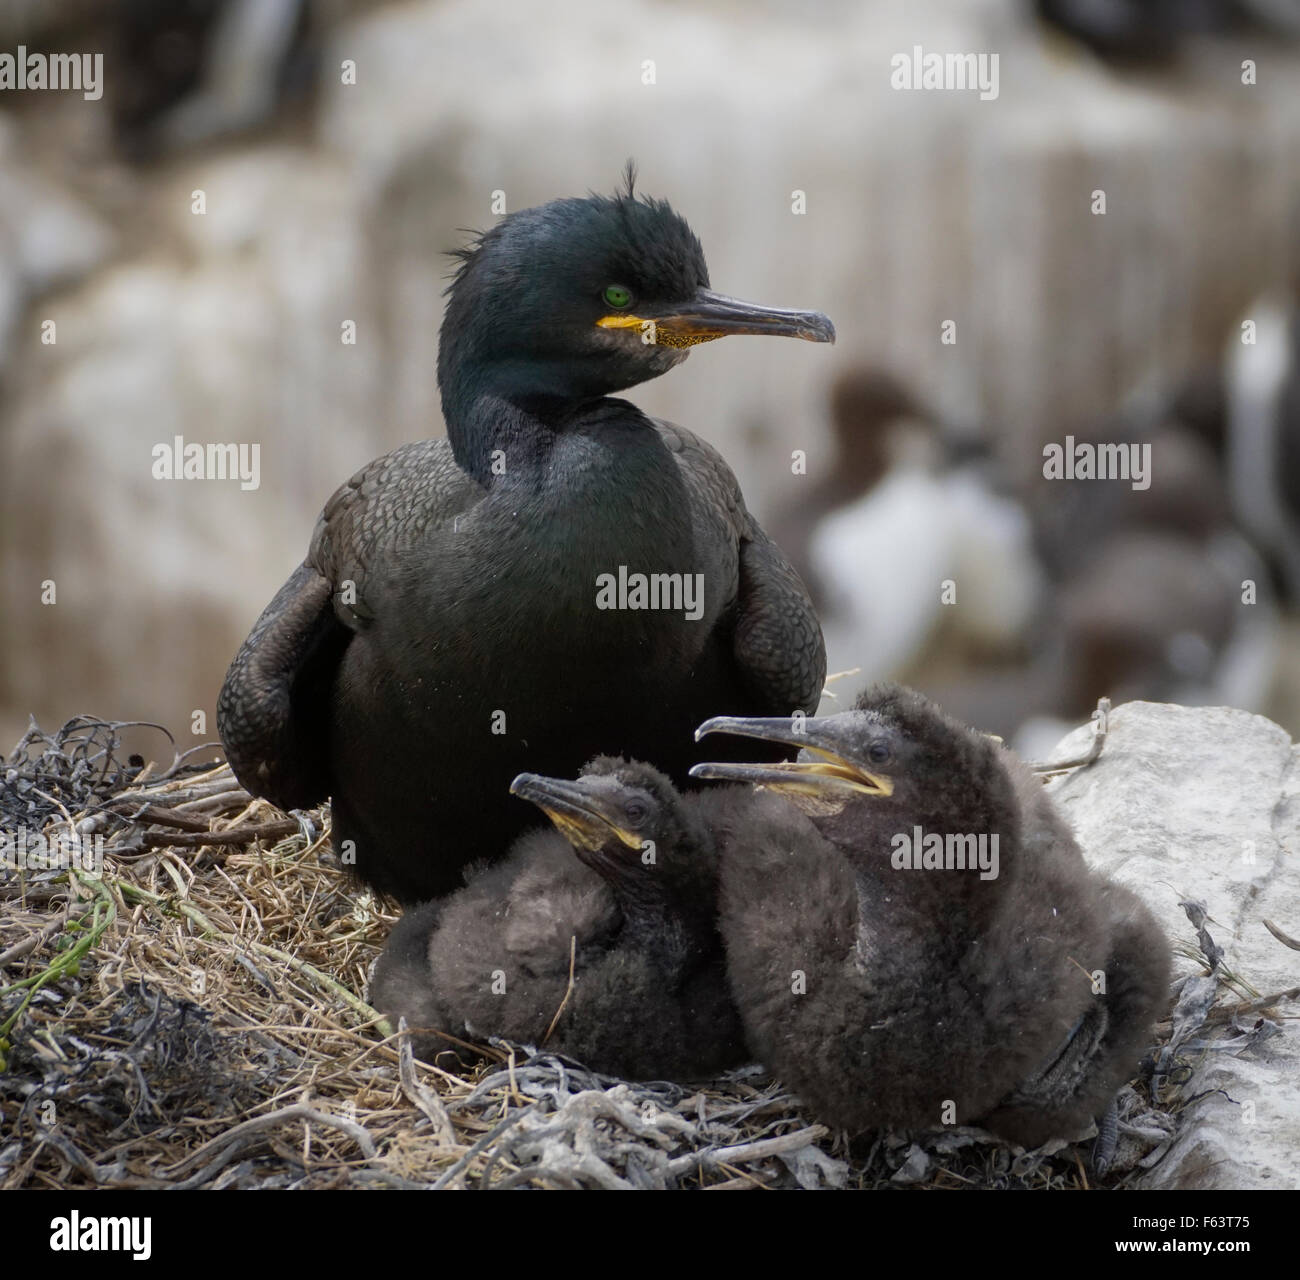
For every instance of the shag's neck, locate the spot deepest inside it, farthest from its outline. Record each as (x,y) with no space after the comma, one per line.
(493,434)
(927,862)
(665,901)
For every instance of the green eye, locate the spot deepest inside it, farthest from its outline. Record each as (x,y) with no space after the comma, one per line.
(617,296)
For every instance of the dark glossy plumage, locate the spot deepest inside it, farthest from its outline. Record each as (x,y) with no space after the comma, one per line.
(650,998)
(444,632)
(929,996)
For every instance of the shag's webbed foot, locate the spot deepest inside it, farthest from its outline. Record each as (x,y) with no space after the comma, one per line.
(1103,1149)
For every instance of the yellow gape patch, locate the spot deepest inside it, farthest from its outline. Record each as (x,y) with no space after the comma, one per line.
(660,332)
(590,834)
(666,338)
(578,834)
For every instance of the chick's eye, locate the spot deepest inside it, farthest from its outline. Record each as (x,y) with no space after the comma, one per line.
(617,296)
(878,753)
(635,812)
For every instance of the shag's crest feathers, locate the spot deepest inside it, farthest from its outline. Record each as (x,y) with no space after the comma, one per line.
(629,178)
(638,241)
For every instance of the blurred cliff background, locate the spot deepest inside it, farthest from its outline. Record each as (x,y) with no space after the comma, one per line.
(340,145)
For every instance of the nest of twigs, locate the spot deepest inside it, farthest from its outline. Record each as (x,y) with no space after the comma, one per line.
(191,1013)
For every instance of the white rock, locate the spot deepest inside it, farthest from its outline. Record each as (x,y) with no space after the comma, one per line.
(1204,803)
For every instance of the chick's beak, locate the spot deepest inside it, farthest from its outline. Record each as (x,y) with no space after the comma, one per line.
(824,765)
(585,818)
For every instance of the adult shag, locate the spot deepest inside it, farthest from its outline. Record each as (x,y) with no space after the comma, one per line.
(561,577)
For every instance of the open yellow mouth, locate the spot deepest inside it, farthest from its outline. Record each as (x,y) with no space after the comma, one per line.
(830,766)
(810,777)
(823,771)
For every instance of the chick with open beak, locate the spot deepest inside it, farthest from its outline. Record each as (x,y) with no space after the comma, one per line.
(931,948)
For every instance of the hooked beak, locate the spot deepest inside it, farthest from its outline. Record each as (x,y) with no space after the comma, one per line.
(711,315)
(584,819)
(826,771)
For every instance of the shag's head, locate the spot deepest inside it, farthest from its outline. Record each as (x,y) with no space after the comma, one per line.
(581,298)
(623,818)
(895,752)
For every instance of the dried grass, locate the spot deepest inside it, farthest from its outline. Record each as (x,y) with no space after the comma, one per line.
(195,1016)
